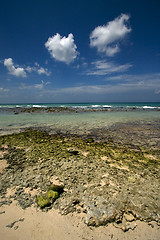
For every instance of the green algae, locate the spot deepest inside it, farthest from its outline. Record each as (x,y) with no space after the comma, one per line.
(42,201)
(97,168)
(52,194)
(45,200)
(31,146)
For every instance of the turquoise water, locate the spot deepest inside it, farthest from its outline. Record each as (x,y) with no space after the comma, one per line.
(109,105)
(81,122)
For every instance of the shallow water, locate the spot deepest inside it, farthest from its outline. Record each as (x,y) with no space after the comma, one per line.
(72,122)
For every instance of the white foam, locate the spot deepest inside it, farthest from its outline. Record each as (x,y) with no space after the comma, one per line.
(107,106)
(95,106)
(38,106)
(148,107)
(79,106)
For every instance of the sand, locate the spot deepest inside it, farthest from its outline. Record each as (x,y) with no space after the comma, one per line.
(33,224)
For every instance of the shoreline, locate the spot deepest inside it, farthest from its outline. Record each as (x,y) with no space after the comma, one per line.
(76,109)
(109,175)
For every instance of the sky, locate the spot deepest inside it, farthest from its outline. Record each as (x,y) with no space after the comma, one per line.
(79,51)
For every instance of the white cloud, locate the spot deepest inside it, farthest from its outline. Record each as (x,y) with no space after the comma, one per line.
(106,38)
(130,83)
(42,70)
(18,72)
(21,72)
(38,69)
(39,86)
(4,89)
(142,78)
(111,51)
(105,68)
(62,49)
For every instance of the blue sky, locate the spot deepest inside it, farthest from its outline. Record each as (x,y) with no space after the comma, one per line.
(79,51)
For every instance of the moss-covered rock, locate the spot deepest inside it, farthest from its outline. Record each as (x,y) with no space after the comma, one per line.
(52,195)
(43,201)
(102,174)
(47,199)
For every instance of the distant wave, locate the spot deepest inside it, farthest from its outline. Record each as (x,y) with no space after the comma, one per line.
(95,106)
(38,106)
(6,106)
(149,107)
(79,106)
(107,106)
(88,106)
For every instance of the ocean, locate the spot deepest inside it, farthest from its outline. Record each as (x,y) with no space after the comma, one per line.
(93,105)
(86,116)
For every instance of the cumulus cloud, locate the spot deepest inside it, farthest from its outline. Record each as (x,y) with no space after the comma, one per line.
(105,68)
(21,72)
(106,38)
(15,71)
(62,49)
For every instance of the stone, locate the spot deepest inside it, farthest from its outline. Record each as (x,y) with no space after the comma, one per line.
(42,201)
(16,227)
(129,217)
(128,225)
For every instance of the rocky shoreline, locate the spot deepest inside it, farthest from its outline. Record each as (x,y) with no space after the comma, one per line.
(19,110)
(110,175)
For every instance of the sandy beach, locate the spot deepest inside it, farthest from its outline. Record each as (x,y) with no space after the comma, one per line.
(36,225)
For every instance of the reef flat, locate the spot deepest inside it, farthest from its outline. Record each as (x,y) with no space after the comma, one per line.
(76,109)
(109,175)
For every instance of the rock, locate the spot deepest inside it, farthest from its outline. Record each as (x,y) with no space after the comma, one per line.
(11,225)
(103,185)
(129,217)
(128,225)
(52,195)
(43,201)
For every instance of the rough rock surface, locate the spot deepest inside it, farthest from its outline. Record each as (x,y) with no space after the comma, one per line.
(109,176)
